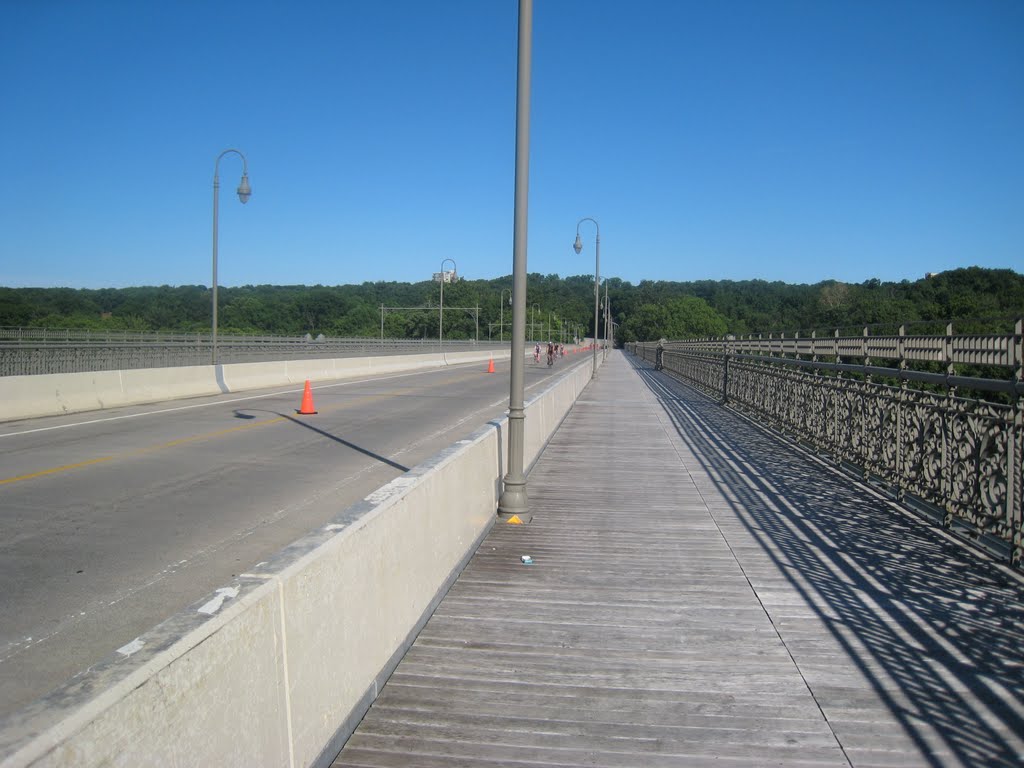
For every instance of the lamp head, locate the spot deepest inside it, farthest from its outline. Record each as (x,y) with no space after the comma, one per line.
(577,246)
(244,190)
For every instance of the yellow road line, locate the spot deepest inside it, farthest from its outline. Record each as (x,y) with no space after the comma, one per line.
(219,433)
(180,441)
(360,401)
(138,452)
(55,470)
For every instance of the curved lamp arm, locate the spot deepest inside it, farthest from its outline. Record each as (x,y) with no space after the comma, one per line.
(244,190)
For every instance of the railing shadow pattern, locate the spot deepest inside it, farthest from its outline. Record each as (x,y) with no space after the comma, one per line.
(937,629)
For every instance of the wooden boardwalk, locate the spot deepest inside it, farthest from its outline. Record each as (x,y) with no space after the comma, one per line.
(704,594)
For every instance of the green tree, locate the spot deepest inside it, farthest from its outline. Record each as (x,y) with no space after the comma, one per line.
(691,317)
(686,317)
(648,310)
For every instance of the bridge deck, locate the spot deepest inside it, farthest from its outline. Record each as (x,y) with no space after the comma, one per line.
(703,594)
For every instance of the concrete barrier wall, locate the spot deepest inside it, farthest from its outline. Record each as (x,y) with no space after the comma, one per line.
(153,385)
(278,667)
(23,397)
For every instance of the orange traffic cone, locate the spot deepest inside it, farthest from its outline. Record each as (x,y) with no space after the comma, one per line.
(307,408)
(490,365)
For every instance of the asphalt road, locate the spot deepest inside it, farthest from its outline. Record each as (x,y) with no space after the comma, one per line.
(114,520)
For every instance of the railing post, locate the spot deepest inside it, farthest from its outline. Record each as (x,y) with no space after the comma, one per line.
(865,359)
(1015,453)
(901,352)
(836,450)
(1018,350)
(947,349)
(945,482)
(1014,493)
(725,370)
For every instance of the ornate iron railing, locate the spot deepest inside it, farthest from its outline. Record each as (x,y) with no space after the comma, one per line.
(905,428)
(31,351)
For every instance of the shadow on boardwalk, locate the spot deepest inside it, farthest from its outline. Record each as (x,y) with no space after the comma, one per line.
(937,629)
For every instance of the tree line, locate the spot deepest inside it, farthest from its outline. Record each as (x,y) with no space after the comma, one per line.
(978,299)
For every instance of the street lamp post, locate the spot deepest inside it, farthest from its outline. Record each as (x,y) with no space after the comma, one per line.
(501,312)
(607,318)
(533,320)
(578,246)
(440,310)
(244,193)
(514,502)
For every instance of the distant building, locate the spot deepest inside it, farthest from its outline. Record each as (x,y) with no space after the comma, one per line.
(447,277)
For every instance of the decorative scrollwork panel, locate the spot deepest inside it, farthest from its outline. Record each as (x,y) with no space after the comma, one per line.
(961,455)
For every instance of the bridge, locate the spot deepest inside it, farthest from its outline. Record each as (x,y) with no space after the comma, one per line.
(700,589)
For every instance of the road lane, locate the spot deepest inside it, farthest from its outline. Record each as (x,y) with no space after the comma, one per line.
(110,522)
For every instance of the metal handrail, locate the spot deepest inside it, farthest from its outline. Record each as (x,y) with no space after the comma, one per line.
(34,351)
(952,349)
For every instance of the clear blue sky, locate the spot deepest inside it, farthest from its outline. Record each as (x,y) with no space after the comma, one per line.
(794,140)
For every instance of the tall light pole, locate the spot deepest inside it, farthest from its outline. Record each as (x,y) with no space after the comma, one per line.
(440,311)
(514,501)
(607,318)
(501,311)
(533,319)
(578,246)
(244,193)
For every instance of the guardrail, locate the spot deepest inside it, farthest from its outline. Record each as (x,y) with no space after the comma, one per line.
(909,431)
(35,351)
